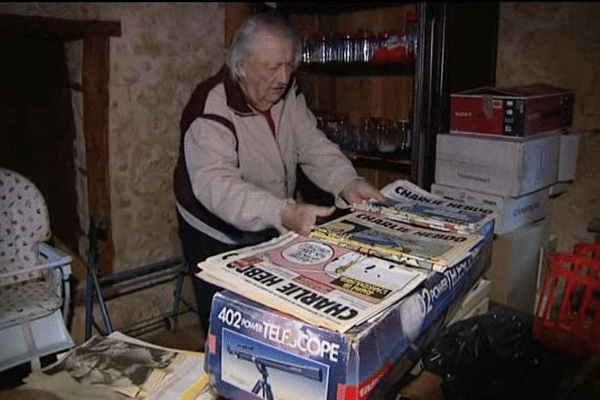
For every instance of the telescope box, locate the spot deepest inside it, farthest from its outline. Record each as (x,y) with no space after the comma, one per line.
(255,352)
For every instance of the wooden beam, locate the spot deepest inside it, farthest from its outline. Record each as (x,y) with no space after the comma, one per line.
(73,29)
(235,13)
(95,126)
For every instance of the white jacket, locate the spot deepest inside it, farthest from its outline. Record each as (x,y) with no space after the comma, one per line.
(241,176)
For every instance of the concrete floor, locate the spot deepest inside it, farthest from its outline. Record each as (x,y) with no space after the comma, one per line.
(187,335)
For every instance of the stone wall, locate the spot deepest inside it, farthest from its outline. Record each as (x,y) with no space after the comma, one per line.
(165,49)
(559,44)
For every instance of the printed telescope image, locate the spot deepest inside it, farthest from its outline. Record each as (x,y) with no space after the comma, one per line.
(270,373)
(245,353)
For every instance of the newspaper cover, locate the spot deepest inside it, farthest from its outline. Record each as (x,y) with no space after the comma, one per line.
(318,282)
(415,246)
(409,203)
(120,367)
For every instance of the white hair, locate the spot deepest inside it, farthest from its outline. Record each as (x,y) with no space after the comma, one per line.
(241,44)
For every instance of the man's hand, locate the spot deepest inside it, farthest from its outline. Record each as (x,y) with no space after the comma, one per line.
(301,218)
(360,190)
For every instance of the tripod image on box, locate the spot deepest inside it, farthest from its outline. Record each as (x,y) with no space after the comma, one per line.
(262,386)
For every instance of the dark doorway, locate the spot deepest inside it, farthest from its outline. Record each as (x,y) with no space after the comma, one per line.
(37,126)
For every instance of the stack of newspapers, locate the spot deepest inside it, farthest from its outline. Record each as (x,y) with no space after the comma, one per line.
(351,268)
(411,226)
(119,367)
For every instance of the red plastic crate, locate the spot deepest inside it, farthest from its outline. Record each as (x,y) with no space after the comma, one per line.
(591,250)
(567,315)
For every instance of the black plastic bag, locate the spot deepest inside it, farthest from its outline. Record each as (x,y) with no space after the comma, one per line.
(495,356)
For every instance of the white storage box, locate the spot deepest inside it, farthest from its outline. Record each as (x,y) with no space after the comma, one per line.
(519,258)
(567,160)
(475,303)
(504,166)
(511,212)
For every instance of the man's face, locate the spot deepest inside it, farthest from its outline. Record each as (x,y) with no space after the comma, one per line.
(266,72)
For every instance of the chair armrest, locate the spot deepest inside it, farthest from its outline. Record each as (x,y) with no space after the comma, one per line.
(53,257)
(49,257)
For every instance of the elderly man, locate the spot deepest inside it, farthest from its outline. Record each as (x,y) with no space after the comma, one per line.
(244,132)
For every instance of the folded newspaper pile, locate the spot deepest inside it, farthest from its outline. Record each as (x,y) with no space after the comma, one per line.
(409,203)
(319,282)
(120,367)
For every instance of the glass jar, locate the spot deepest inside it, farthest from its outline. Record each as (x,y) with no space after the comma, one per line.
(364,43)
(345,47)
(406,129)
(336,129)
(319,51)
(366,135)
(385,135)
(330,48)
(402,134)
(306,49)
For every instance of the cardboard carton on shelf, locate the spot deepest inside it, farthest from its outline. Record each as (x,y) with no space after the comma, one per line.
(511,212)
(499,165)
(514,111)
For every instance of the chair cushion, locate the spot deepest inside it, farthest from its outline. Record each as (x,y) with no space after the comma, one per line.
(24,219)
(26,301)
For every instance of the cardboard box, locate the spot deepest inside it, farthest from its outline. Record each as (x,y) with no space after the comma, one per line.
(567,158)
(476,302)
(519,259)
(516,111)
(511,212)
(253,350)
(559,188)
(500,165)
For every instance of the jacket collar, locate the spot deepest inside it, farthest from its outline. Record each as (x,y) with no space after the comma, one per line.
(236,100)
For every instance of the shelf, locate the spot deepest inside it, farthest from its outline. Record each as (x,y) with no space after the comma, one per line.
(394,162)
(358,69)
(330,7)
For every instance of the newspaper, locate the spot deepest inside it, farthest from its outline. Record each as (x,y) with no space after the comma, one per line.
(318,282)
(415,246)
(409,203)
(119,367)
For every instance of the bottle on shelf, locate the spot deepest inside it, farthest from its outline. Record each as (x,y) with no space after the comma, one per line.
(364,45)
(345,48)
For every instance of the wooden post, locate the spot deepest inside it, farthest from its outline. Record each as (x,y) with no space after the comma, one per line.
(95,126)
(235,13)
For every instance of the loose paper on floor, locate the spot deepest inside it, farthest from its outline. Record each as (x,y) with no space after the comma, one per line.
(120,367)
